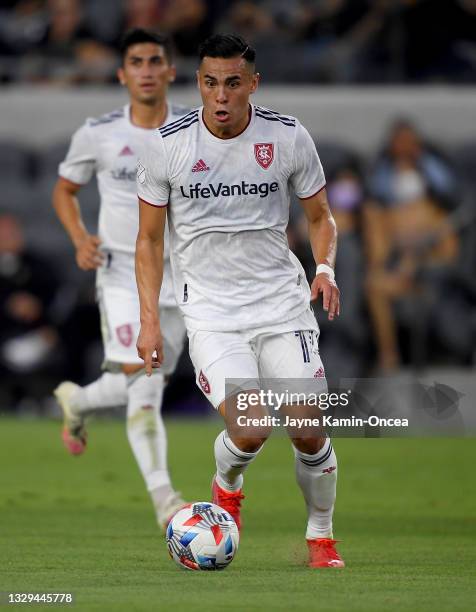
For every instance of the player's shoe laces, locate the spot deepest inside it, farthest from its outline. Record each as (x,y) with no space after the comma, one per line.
(322,553)
(228,500)
(171,506)
(74,432)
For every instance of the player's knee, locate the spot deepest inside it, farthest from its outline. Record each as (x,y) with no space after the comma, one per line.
(250,445)
(141,419)
(310,446)
(129,369)
(144,400)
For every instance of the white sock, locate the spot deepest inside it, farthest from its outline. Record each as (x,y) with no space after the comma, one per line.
(231,463)
(317,477)
(107,391)
(146,433)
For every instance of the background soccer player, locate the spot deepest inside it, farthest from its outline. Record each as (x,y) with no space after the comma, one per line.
(109,146)
(225,171)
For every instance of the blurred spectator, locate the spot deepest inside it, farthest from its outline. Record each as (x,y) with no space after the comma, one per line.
(346,195)
(335,41)
(28,287)
(254,22)
(409,240)
(343,341)
(146,14)
(448,49)
(189,23)
(22,25)
(67,51)
(335,36)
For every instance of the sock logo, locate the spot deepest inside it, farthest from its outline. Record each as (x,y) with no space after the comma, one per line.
(204,384)
(329,470)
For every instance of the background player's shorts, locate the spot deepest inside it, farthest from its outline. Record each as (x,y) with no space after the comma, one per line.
(120,326)
(285,351)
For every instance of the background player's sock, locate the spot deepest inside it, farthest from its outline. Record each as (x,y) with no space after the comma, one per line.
(231,463)
(317,477)
(146,433)
(107,391)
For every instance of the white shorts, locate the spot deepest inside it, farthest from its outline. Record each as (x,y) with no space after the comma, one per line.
(120,326)
(286,351)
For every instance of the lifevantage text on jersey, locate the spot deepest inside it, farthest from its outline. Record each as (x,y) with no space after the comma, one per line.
(210,190)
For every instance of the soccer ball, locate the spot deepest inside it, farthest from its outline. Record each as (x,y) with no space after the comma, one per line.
(202,536)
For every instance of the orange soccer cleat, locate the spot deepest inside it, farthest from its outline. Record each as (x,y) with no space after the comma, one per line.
(228,500)
(74,440)
(322,553)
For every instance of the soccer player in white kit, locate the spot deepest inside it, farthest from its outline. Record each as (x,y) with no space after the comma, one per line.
(110,146)
(223,174)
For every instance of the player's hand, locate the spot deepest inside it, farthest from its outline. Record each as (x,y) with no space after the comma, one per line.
(88,255)
(322,283)
(150,346)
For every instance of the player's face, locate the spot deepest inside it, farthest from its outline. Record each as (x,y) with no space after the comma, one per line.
(225,86)
(146,72)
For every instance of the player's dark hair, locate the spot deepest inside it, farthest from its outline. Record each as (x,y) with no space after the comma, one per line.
(226,46)
(139,35)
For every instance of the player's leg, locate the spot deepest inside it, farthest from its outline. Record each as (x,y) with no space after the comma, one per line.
(145,427)
(217,357)
(235,449)
(148,439)
(119,309)
(108,391)
(292,358)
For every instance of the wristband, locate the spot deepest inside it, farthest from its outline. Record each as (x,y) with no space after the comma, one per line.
(325,269)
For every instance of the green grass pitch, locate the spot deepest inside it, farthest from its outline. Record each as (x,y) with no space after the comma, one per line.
(405,515)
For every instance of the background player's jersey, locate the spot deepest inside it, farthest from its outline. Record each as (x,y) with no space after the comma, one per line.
(109,147)
(228,212)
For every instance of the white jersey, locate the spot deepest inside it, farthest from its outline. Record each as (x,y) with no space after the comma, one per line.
(228,209)
(110,146)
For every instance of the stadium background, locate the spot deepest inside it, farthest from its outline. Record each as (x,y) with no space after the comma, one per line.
(349,70)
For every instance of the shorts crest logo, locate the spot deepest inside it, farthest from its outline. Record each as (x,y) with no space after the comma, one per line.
(204,384)
(264,154)
(124,333)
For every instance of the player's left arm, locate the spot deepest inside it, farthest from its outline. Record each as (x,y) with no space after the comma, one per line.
(323,239)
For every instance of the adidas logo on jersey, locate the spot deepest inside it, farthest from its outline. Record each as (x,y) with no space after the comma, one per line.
(200,166)
(126,151)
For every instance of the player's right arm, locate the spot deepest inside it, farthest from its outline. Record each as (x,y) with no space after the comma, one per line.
(75,171)
(153,191)
(149,273)
(66,205)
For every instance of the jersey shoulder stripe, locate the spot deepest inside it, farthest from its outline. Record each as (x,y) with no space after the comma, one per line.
(176,124)
(182,126)
(107,118)
(270,115)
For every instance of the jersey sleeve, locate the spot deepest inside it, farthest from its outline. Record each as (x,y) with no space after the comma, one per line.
(152,181)
(308,175)
(80,162)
